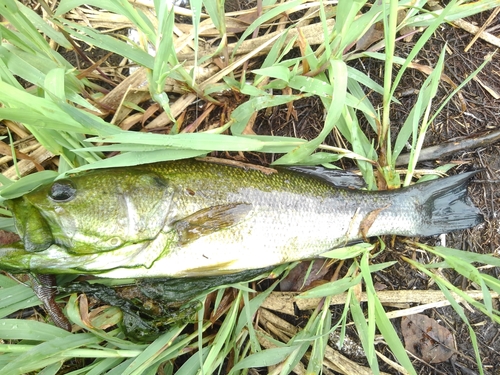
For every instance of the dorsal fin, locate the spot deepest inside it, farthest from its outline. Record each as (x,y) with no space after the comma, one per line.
(336,177)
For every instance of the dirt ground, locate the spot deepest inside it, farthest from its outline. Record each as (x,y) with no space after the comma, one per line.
(473,114)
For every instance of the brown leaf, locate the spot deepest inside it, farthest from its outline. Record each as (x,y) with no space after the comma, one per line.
(368,221)
(100,312)
(426,339)
(295,279)
(224,305)
(428,70)
(150,111)
(6,150)
(374,34)
(249,17)
(131,120)
(84,310)
(303,51)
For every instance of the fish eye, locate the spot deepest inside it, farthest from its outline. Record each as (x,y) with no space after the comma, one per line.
(62,191)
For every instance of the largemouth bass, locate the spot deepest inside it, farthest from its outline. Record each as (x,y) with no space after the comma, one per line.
(193,218)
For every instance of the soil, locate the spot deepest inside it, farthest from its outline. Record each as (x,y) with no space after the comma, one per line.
(472,114)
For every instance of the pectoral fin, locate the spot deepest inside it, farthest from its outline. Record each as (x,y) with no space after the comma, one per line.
(210,220)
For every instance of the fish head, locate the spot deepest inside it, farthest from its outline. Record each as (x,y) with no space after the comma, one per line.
(94,212)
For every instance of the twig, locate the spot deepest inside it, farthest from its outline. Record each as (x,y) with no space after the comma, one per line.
(284,301)
(313,34)
(490,38)
(444,149)
(481,30)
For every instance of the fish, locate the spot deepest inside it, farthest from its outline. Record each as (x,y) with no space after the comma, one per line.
(191,218)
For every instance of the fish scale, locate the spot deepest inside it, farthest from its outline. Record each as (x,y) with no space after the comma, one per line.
(199,218)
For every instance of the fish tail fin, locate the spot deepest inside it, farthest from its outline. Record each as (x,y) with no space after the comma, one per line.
(446,205)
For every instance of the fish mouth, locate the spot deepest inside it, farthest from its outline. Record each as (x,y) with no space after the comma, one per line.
(14,258)
(54,260)
(30,224)
(57,260)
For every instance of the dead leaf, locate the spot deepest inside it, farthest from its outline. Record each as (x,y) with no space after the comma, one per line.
(406,31)
(428,70)
(6,150)
(303,51)
(295,279)
(150,111)
(374,34)
(248,18)
(490,90)
(427,339)
(84,310)
(196,123)
(368,221)
(290,107)
(224,305)
(130,121)
(95,66)
(98,318)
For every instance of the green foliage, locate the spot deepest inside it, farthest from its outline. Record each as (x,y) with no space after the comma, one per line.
(56,108)
(461,262)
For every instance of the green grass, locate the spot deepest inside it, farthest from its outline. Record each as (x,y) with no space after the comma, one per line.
(52,107)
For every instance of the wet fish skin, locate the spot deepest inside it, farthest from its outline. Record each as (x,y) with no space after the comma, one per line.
(193,218)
